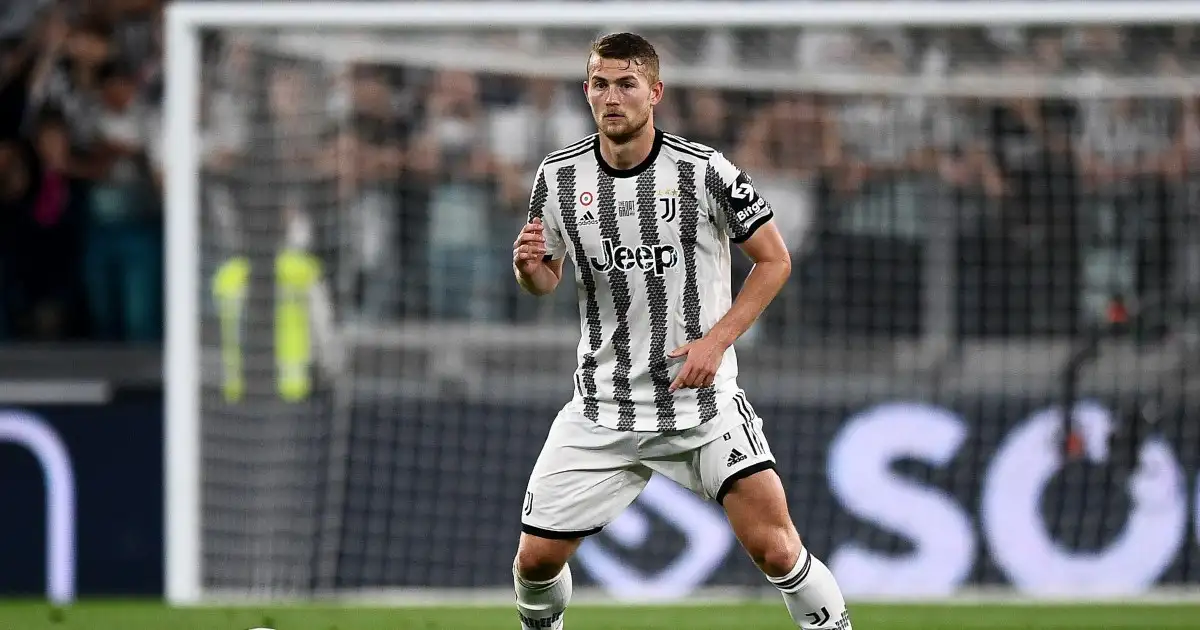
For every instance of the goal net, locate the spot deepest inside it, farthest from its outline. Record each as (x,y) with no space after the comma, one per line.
(974,195)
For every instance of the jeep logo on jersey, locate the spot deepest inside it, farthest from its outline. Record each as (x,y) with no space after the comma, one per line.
(656,258)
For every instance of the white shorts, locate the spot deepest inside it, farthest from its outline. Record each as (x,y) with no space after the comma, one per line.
(587,474)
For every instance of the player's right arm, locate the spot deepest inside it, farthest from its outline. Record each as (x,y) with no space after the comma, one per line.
(539,250)
(536,272)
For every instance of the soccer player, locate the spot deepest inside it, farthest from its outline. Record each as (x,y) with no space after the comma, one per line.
(647,218)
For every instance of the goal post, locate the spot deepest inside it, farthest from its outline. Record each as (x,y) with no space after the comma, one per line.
(181,457)
(285,485)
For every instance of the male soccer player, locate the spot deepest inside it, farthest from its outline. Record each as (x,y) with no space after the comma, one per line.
(647,218)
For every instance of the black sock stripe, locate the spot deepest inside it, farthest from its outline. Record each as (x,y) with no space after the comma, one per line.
(799,578)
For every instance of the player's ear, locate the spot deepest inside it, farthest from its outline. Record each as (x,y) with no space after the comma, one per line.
(656,92)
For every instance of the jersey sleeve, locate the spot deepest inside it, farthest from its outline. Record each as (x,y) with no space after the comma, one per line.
(542,205)
(739,209)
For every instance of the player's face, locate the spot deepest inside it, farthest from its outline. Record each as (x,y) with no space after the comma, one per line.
(621,96)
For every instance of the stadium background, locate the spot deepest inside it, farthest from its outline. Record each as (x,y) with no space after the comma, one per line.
(956,256)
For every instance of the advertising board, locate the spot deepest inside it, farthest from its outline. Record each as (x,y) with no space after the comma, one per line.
(81,499)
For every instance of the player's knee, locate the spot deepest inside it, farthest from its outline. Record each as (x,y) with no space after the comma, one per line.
(781,558)
(537,568)
(776,550)
(539,560)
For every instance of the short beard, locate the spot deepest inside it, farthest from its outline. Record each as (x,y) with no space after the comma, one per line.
(627,136)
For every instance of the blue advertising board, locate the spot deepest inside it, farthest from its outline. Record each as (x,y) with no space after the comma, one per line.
(81,499)
(902,498)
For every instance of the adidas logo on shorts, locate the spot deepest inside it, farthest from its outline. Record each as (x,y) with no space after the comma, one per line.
(735,456)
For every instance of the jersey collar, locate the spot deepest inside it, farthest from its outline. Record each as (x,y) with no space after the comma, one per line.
(636,170)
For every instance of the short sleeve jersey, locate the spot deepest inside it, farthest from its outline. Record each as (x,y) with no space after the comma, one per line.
(651,250)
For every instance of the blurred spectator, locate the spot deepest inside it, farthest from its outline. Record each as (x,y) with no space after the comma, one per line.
(66,78)
(122,251)
(297,122)
(281,182)
(1048,52)
(1184,220)
(1101,50)
(454,141)
(876,209)
(44,251)
(971,195)
(224,111)
(14,208)
(369,160)
(1125,150)
(1031,139)
(708,119)
(137,36)
(825,49)
(546,116)
(882,142)
(17,60)
(788,146)
(965,165)
(225,119)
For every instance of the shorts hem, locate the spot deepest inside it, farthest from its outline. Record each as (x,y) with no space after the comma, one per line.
(558,535)
(727,485)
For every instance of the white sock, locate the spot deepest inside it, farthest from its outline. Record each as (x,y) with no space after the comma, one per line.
(541,604)
(812,595)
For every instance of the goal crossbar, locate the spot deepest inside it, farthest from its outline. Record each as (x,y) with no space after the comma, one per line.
(485,15)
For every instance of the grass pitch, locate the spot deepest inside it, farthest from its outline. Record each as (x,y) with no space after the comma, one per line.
(117,615)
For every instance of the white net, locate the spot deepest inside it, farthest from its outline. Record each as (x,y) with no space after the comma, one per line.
(965,205)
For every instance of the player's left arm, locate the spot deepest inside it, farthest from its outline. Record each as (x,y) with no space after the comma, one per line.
(772,266)
(746,218)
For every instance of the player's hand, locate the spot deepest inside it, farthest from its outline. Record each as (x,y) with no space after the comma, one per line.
(700,369)
(529,249)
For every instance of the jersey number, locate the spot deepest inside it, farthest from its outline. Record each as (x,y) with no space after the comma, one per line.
(670,206)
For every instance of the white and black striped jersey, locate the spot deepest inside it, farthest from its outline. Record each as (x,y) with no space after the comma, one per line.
(651,252)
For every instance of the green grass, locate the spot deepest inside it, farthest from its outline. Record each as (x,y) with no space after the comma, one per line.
(766,616)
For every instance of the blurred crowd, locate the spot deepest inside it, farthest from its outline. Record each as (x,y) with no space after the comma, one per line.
(409,181)
(80,171)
